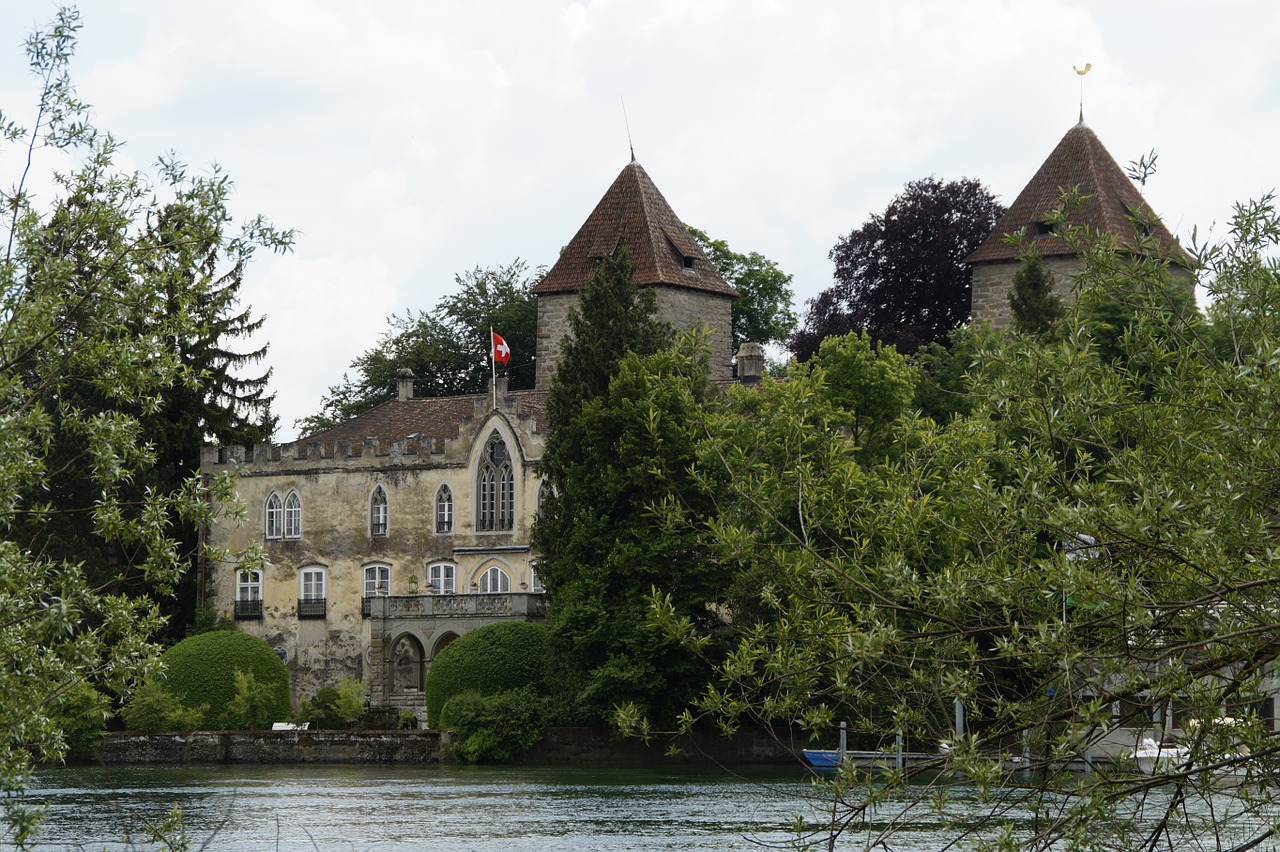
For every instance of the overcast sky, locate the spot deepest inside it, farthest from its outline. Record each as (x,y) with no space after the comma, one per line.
(410,141)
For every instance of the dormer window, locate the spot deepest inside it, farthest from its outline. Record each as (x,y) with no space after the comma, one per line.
(688,262)
(1046,229)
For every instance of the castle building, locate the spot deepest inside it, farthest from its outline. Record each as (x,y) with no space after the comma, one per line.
(388,536)
(1109,203)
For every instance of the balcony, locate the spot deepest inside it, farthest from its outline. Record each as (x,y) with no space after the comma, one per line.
(508,605)
(248,611)
(312,607)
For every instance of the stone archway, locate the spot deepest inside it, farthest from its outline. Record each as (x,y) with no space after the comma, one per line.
(405,664)
(442,643)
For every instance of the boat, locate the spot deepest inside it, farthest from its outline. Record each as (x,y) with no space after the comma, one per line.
(823,758)
(1153,757)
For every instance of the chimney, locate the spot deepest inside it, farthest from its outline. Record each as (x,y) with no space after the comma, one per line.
(404,384)
(750,363)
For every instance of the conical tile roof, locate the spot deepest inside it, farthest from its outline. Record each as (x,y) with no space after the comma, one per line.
(1080,160)
(634,215)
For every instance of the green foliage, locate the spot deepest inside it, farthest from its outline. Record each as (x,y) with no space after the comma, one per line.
(1036,309)
(207,620)
(493,728)
(494,658)
(202,669)
(351,699)
(447,349)
(81,713)
(407,720)
(763,311)
(154,708)
(254,706)
(321,709)
(1099,529)
(106,293)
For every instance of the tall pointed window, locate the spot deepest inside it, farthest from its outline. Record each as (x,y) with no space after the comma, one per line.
(275,516)
(496,488)
(444,510)
(378,512)
(293,515)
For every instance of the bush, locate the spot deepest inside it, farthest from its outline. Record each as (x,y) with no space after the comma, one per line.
(200,670)
(154,708)
(338,706)
(493,728)
(495,658)
(407,720)
(253,707)
(81,713)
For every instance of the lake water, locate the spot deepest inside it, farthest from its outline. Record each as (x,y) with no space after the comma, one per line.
(455,809)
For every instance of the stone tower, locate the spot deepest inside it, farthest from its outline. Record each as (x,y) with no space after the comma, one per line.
(1110,199)
(634,215)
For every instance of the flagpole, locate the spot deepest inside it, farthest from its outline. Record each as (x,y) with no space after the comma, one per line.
(493,365)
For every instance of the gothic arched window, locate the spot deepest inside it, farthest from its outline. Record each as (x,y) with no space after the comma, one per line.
(496,488)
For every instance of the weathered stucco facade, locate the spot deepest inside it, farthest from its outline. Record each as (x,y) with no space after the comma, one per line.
(358,589)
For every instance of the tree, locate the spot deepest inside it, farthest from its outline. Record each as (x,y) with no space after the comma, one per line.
(762,313)
(623,408)
(900,276)
(1034,305)
(447,349)
(94,311)
(1093,545)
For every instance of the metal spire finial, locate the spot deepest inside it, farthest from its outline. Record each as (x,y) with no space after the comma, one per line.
(625,121)
(1087,67)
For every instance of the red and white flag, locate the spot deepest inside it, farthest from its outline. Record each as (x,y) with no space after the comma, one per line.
(501,351)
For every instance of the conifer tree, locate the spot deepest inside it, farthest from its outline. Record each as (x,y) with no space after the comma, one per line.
(1036,308)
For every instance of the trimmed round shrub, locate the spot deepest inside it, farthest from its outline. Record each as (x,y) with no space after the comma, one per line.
(201,670)
(495,658)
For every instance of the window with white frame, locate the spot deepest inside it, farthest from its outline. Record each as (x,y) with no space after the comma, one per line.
(274,516)
(496,488)
(444,510)
(248,604)
(535,579)
(377,583)
(293,515)
(440,577)
(494,580)
(377,580)
(378,512)
(311,592)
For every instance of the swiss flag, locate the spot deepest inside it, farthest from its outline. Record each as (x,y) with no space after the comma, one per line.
(501,351)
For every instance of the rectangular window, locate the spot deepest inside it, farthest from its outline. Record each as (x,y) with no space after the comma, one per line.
(312,603)
(441,579)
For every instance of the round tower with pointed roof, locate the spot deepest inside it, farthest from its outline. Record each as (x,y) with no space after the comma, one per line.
(634,216)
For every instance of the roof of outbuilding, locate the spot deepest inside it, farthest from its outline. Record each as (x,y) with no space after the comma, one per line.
(421,419)
(1079,161)
(634,215)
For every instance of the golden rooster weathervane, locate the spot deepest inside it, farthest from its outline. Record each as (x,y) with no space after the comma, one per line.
(1081,72)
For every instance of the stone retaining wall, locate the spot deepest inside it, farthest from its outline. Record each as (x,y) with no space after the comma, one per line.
(577,746)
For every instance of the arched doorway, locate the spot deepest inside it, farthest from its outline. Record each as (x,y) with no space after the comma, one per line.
(406,661)
(442,643)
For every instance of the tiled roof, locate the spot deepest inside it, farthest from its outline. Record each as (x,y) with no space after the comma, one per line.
(634,215)
(1081,161)
(421,419)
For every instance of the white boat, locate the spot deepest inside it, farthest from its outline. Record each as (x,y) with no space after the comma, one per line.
(1153,757)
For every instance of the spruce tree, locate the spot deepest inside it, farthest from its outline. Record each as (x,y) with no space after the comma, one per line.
(1036,308)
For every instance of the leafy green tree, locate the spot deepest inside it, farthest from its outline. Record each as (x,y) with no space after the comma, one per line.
(763,311)
(447,349)
(494,728)
(1035,307)
(1097,534)
(154,708)
(93,314)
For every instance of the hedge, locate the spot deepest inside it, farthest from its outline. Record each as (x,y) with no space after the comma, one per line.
(201,669)
(495,658)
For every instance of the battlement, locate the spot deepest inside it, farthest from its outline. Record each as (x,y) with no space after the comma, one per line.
(301,455)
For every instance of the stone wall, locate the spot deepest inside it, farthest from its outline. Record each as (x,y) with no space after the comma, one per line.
(562,746)
(683,308)
(992,283)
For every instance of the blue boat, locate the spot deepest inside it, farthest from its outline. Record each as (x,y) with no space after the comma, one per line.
(823,758)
